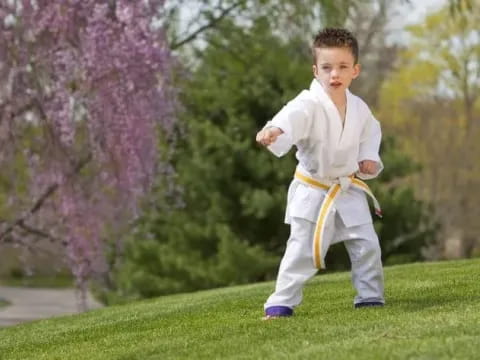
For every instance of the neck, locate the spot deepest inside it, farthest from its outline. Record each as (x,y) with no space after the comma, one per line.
(339,98)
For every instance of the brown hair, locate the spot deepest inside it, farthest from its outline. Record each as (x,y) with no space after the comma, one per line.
(335,37)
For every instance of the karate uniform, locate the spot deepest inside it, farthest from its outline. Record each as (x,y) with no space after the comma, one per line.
(328,153)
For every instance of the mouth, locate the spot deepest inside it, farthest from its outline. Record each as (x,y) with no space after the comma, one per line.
(335,84)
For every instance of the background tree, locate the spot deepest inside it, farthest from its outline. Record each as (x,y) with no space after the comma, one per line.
(84,86)
(433,103)
(371,22)
(190,22)
(229,229)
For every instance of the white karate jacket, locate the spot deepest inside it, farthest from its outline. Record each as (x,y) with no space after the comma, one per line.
(327,151)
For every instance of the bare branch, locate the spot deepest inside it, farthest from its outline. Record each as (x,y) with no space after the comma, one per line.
(20,222)
(212,23)
(39,233)
(26,245)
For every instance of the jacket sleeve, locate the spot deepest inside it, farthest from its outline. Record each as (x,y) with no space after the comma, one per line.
(370,146)
(295,120)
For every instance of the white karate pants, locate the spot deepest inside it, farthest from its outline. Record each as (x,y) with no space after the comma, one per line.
(297,267)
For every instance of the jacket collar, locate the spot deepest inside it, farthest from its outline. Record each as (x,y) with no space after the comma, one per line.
(317,89)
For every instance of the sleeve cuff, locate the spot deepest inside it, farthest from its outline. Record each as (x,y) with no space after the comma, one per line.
(380,167)
(281,146)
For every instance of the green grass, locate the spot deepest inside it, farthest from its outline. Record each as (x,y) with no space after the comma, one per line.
(36,281)
(433,312)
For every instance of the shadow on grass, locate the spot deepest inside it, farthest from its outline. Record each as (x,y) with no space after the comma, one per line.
(421,303)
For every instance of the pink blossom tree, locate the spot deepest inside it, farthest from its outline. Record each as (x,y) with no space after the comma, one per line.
(85,94)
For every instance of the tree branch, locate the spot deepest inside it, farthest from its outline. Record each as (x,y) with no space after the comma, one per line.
(13,240)
(20,222)
(38,232)
(212,23)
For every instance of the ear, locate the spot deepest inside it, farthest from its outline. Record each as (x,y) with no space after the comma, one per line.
(356,70)
(315,70)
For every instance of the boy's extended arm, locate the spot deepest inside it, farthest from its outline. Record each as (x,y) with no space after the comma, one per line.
(369,150)
(288,127)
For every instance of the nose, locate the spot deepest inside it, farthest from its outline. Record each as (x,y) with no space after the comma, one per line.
(334,73)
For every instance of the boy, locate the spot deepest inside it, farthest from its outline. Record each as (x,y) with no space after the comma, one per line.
(337,140)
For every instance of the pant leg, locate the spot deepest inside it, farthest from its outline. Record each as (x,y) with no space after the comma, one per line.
(296,267)
(364,251)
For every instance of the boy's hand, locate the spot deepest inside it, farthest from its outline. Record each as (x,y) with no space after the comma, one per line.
(269,135)
(368,167)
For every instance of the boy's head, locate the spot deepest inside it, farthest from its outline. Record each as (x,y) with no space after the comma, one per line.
(335,59)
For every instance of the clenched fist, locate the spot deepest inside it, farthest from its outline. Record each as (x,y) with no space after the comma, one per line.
(368,167)
(268,135)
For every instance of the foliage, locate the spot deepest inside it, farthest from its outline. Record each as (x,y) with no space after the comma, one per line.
(18,278)
(190,22)
(407,226)
(433,105)
(229,230)
(84,85)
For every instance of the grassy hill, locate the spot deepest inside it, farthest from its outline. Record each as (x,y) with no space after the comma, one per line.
(433,312)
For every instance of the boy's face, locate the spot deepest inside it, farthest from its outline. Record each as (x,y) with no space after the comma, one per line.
(335,69)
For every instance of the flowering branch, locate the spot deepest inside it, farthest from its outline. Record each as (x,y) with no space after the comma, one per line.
(20,222)
(81,82)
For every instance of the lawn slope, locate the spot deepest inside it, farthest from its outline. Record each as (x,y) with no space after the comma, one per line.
(433,312)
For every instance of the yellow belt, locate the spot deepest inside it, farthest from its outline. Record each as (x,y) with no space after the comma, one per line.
(332,192)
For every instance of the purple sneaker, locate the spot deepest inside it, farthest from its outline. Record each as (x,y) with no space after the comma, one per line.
(277,311)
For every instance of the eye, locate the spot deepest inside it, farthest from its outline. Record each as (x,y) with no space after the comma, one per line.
(326,67)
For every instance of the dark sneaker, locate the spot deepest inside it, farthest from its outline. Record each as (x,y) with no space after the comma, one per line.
(369,304)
